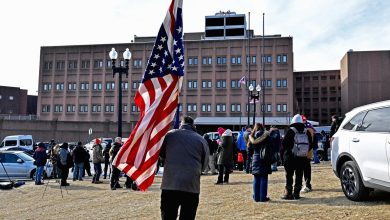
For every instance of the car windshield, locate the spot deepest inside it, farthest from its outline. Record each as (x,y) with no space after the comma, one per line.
(25,157)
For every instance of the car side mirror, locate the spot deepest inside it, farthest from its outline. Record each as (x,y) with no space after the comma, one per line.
(19,160)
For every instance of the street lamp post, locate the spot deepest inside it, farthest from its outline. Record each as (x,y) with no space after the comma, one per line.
(120,70)
(254,97)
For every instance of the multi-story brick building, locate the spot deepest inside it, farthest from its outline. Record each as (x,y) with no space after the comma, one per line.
(76,82)
(15,102)
(365,78)
(317,94)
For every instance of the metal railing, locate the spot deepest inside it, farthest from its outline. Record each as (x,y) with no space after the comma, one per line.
(18,117)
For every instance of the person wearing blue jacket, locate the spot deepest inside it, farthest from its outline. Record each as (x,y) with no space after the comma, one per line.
(241,144)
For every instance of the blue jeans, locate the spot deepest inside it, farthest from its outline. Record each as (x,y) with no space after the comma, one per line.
(260,187)
(315,156)
(38,174)
(98,171)
(78,171)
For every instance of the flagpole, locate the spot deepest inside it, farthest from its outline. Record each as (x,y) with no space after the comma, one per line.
(263,109)
(249,65)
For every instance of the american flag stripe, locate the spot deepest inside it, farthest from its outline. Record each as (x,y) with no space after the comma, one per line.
(157,98)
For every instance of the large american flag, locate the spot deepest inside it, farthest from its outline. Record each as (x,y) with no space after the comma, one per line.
(157,98)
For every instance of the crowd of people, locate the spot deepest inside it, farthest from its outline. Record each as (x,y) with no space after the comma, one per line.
(186,156)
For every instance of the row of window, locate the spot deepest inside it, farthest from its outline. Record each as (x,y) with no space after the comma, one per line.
(332,89)
(280,59)
(221,83)
(137,63)
(85,64)
(84,108)
(323,99)
(72,86)
(11,98)
(190,108)
(307,78)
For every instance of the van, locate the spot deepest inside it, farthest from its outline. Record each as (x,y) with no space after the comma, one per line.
(24,141)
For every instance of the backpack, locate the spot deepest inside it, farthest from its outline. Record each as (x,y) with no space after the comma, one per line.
(301,143)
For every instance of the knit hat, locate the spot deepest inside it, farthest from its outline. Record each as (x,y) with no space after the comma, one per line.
(297,119)
(97,141)
(220,130)
(227,132)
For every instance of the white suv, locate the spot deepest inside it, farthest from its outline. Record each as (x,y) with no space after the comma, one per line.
(361,150)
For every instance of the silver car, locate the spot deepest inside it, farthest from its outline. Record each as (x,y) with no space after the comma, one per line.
(19,165)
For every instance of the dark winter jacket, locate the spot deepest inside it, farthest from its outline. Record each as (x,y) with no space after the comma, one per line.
(40,156)
(114,150)
(106,153)
(79,154)
(212,144)
(260,141)
(225,151)
(288,141)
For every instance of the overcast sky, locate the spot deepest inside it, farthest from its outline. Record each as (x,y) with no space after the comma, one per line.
(323,30)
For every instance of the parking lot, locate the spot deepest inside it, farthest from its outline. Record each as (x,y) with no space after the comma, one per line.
(84,200)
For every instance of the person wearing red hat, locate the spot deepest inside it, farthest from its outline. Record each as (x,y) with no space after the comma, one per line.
(97,159)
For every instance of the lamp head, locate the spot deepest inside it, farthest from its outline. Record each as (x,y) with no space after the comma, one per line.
(258,88)
(251,87)
(127,54)
(113,54)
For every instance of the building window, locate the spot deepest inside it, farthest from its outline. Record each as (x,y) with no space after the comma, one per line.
(315,78)
(221,108)
(57,108)
(209,60)
(97,64)
(125,86)
(96,108)
(191,108)
(253,59)
(284,58)
(84,86)
(135,85)
(109,108)
(189,61)
(278,107)
(72,64)
(60,65)
(269,107)
(59,86)
(278,58)
(48,65)
(192,84)
(235,108)
(124,108)
(323,77)
(11,98)
(221,83)
(72,86)
(269,58)
(206,83)
(219,60)
(70,108)
(239,60)
(235,84)
(284,107)
(46,86)
(97,86)
(233,60)
(195,60)
(266,83)
(137,63)
(110,86)
(45,108)
(206,108)
(134,108)
(85,64)
(83,108)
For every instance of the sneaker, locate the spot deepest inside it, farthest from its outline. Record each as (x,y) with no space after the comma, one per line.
(296,197)
(306,190)
(266,199)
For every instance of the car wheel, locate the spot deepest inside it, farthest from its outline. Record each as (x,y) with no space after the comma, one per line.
(32,174)
(351,182)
